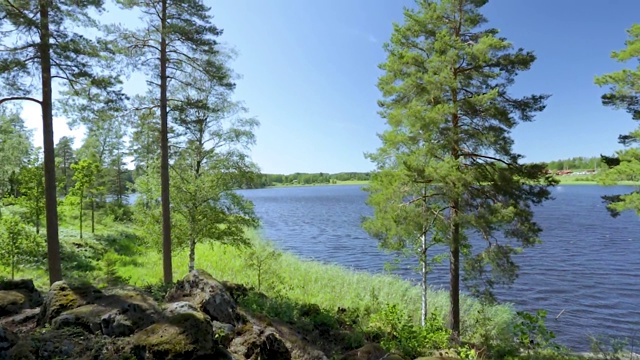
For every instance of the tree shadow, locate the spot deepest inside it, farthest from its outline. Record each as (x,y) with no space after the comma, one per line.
(332,332)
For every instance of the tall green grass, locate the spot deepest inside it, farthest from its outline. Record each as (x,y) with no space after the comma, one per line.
(327,285)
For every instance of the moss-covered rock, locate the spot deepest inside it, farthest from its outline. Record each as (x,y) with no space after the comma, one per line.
(369,351)
(117,312)
(7,340)
(258,343)
(63,297)
(26,288)
(188,335)
(70,343)
(12,302)
(208,295)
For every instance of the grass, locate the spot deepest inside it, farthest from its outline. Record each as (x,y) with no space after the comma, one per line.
(289,286)
(587,180)
(116,253)
(312,282)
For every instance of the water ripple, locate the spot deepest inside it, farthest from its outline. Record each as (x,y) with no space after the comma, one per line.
(587,265)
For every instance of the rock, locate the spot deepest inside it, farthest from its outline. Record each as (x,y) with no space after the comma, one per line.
(24,322)
(26,288)
(258,344)
(223,333)
(308,354)
(118,312)
(7,340)
(186,335)
(237,291)
(208,295)
(12,302)
(370,351)
(180,307)
(63,297)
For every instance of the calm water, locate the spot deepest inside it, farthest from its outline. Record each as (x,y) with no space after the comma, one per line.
(587,265)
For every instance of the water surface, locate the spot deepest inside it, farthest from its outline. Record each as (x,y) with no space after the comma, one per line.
(587,265)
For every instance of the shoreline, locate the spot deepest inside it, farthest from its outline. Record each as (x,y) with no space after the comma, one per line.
(357,182)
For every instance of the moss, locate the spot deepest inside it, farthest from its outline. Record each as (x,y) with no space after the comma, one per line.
(182,334)
(11,298)
(11,302)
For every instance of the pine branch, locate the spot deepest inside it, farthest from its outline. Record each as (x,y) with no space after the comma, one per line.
(20,98)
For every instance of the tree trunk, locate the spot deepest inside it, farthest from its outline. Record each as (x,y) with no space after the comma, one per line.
(454,276)
(38,224)
(53,242)
(192,254)
(164,149)
(81,196)
(423,317)
(13,267)
(93,216)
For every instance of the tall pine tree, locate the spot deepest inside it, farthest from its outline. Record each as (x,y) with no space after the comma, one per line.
(42,40)
(448,150)
(176,36)
(624,93)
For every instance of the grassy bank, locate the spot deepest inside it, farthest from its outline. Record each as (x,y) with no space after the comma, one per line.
(585,180)
(564,180)
(116,255)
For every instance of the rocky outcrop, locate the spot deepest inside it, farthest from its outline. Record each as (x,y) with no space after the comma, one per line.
(370,351)
(199,320)
(17,295)
(207,295)
(258,343)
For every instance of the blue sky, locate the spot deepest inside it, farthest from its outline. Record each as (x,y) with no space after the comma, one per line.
(310,67)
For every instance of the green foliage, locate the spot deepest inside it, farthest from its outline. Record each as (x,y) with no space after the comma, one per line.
(398,332)
(65,156)
(32,191)
(15,149)
(532,332)
(624,93)
(446,167)
(609,348)
(264,180)
(18,244)
(260,257)
(576,163)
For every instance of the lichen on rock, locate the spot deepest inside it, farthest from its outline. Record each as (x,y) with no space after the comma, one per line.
(207,295)
(182,336)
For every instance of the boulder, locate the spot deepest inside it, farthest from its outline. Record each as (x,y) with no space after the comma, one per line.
(186,335)
(370,351)
(63,297)
(12,302)
(258,344)
(16,295)
(118,312)
(307,354)
(223,333)
(7,340)
(207,295)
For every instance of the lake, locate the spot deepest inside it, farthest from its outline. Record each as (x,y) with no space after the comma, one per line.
(587,265)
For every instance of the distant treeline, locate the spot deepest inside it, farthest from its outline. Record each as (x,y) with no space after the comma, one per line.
(265,180)
(576,163)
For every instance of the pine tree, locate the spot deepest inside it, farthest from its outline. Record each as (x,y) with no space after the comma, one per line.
(177,35)
(446,161)
(42,40)
(65,156)
(624,93)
